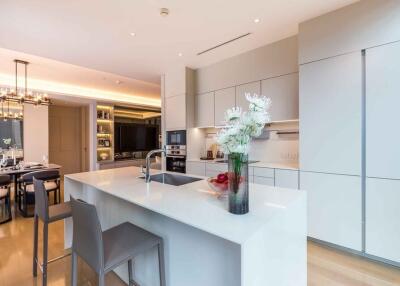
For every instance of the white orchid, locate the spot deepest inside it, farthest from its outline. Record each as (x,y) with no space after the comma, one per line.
(7,141)
(241,126)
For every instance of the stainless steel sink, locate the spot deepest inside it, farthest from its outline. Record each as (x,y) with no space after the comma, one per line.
(172,179)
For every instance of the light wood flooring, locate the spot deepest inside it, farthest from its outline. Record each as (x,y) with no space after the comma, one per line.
(326,267)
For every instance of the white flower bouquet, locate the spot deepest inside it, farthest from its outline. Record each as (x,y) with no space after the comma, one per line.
(241,126)
(235,140)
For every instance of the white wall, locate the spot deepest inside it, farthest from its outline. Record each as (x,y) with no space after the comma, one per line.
(269,61)
(361,25)
(36,132)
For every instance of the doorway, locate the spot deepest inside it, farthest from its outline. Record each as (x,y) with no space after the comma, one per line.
(68,137)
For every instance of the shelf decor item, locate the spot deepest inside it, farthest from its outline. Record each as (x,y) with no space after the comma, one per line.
(234,139)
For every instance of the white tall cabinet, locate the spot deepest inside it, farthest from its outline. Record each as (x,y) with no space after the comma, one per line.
(204,108)
(330,148)
(330,115)
(224,99)
(241,90)
(383,151)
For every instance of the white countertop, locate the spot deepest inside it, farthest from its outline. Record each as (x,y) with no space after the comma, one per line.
(288,166)
(194,204)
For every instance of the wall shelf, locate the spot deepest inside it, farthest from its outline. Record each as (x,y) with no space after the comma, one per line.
(105,132)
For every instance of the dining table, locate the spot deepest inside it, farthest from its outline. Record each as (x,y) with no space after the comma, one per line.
(17,172)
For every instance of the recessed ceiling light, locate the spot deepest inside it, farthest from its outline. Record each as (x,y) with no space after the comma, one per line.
(180,54)
(133,34)
(118,81)
(256,20)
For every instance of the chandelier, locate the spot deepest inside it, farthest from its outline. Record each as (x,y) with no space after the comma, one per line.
(22,95)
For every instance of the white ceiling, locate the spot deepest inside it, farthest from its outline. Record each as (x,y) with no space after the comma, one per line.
(96,33)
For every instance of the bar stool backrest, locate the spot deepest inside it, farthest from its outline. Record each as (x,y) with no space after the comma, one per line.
(41,200)
(5,180)
(87,234)
(44,175)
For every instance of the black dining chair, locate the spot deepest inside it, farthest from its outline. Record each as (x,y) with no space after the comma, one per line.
(5,182)
(26,190)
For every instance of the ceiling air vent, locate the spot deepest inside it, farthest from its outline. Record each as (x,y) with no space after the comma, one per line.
(223,44)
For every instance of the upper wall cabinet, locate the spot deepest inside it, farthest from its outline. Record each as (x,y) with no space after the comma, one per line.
(175,112)
(330,115)
(224,99)
(175,82)
(204,108)
(284,93)
(241,90)
(382,111)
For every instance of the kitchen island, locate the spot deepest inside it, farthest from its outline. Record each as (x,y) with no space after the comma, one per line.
(204,243)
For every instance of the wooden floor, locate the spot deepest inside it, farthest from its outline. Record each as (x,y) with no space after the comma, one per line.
(326,267)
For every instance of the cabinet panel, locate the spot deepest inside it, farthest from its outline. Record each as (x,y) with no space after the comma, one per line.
(330,115)
(287,178)
(241,90)
(264,172)
(204,106)
(382,111)
(284,94)
(224,99)
(334,208)
(175,112)
(219,167)
(196,168)
(382,218)
(175,82)
(264,181)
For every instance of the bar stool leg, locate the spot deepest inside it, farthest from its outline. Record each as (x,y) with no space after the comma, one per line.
(74,269)
(35,244)
(161,263)
(101,279)
(45,245)
(130,274)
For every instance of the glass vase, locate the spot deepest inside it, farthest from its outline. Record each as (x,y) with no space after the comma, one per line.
(238,183)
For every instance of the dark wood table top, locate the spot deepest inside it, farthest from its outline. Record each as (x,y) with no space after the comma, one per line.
(10,171)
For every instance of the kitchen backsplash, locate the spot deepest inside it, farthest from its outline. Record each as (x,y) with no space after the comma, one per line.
(281,147)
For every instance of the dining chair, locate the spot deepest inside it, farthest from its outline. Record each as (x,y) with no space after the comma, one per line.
(26,189)
(47,214)
(103,251)
(5,182)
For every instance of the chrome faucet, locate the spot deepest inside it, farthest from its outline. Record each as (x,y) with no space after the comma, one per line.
(146,173)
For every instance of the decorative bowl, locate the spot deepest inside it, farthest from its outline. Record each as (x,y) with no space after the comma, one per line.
(220,189)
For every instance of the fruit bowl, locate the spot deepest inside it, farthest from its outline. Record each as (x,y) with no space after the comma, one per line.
(219,185)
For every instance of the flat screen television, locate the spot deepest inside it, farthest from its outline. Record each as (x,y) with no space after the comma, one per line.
(133,137)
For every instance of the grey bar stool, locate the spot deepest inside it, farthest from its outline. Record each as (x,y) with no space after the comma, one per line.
(104,251)
(47,214)
(5,182)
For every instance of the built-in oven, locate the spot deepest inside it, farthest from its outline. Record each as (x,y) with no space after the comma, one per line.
(176,151)
(176,164)
(177,137)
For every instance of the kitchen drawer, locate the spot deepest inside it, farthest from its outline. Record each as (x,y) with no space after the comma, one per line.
(264,181)
(287,178)
(264,172)
(219,167)
(196,168)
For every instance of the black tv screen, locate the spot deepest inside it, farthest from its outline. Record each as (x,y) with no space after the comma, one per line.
(132,137)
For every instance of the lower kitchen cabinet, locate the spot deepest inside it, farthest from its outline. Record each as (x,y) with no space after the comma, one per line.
(196,168)
(213,169)
(264,181)
(382,219)
(287,178)
(334,208)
